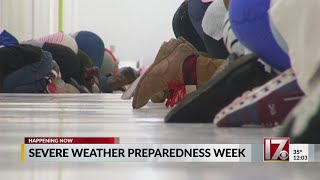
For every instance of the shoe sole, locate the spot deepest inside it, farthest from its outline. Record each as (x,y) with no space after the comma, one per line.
(249,111)
(197,108)
(129,93)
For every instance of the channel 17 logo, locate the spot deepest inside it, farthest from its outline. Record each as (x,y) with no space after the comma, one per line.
(276,149)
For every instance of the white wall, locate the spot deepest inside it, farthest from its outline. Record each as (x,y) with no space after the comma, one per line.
(0,13)
(17,17)
(27,19)
(136,27)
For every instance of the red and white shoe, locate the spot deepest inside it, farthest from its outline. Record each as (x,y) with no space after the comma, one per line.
(266,105)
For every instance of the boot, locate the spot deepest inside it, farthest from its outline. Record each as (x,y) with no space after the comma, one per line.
(164,51)
(169,71)
(160,97)
(228,83)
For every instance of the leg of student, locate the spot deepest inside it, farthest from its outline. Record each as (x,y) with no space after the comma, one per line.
(212,26)
(70,65)
(182,26)
(30,78)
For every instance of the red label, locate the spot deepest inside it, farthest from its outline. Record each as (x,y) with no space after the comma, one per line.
(71,140)
(276,149)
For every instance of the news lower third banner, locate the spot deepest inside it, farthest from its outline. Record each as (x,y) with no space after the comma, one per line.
(84,149)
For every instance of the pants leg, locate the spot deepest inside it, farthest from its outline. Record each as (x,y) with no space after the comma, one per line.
(300,31)
(103,83)
(182,27)
(30,78)
(6,39)
(251,24)
(216,49)
(197,9)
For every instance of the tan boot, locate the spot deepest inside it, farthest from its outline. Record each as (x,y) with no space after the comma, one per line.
(167,47)
(170,69)
(165,50)
(205,68)
(160,97)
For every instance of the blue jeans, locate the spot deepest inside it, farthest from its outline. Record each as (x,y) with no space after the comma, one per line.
(103,83)
(30,78)
(197,9)
(6,39)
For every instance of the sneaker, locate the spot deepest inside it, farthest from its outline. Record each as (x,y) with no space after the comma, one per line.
(231,80)
(56,69)
(115,82)
(130,76)
(92,76)
(267,105)
(129,73)
(82,89)
(58,86)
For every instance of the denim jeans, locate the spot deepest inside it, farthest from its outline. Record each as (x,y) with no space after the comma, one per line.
(30,78)
(182,26)
(103,83)
(6,39)
(197,9)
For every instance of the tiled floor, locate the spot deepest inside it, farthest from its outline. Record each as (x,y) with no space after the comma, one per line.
(107,115)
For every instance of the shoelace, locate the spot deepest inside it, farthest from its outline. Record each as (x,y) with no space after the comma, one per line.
(51,87)
(52,75)
(177,91)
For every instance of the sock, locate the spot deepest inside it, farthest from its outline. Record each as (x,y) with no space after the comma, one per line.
(189,70)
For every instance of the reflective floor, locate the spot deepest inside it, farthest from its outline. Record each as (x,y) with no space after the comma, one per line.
(107,115)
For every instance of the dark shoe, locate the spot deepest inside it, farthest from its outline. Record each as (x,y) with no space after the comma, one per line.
(130,75)
(92,76)
(267,105)
(115,83)
(81,88)
(58,86)
(228,83)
